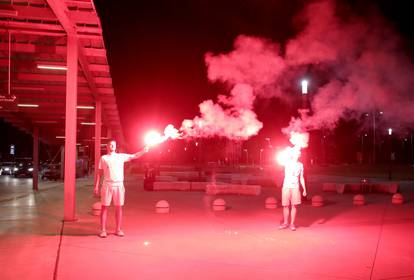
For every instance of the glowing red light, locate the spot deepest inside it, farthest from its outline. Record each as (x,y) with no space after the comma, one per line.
(299,140)
(153,138)
(287,156)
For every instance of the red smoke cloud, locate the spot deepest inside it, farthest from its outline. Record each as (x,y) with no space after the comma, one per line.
(360,59)
(367,71)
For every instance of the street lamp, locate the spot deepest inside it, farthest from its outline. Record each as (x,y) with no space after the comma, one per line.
(362,146)
(304,86)
(391,158)
(247,156)
(260,157)
(375,114)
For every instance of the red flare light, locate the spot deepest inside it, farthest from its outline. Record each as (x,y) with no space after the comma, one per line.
(153,138)
(287,156)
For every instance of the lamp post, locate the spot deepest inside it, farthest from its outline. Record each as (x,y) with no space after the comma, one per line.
(304,85)
(260,157)
(247,156)
(362,146)
(375,114)
(391,156)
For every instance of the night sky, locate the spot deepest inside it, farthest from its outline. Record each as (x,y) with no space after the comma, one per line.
(156,53)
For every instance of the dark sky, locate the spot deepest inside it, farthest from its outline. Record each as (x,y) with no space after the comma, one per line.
(156,51)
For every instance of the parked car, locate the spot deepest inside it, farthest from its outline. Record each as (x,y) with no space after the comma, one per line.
(7,168)
(51,172)
(23,169)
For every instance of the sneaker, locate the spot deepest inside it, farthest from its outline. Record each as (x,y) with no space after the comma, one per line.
(103,234)
(292,227)
(283,226)
(120,233)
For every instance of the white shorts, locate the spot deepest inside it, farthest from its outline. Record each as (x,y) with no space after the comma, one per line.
(115,192)
(291,196)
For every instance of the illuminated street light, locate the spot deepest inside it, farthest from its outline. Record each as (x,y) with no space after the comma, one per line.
(304,87)
(27,105)
(52,67)
(391,154)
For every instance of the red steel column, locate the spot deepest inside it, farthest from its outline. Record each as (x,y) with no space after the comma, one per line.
(36,158)
(70,129)
(98,125)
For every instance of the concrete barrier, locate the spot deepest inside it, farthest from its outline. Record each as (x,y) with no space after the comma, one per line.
(171,186)
(340,188)
(271,203)
(219,204)
(359,200)
(165,178)
(317,201)
(162,207)
(329,187)
(397,198)
(96,208)
(213,189)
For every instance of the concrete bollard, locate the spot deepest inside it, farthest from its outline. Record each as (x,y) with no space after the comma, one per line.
(317,201)
(271,203)
(397,199)
(219,204)
(96,208)
(162,207)
(359,199)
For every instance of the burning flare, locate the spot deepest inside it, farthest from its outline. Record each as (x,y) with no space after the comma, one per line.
(154,138)
(291,154)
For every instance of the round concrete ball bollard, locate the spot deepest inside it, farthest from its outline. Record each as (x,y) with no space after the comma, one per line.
(162,207)
(317,201)
(359,199)
(271,203)
(397,198)
(96,208)
(219,204)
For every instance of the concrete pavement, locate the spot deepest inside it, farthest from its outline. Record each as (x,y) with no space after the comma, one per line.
(337,241)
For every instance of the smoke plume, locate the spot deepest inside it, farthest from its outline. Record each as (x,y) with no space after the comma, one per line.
(357,60)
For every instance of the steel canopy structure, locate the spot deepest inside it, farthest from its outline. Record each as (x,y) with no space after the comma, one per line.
(55,81)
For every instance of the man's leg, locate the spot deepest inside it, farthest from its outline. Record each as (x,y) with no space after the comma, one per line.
(293,215)
(104,215)
(118,218)
(285,215)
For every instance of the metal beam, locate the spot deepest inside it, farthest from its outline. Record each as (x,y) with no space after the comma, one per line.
(70,130)
(36,158)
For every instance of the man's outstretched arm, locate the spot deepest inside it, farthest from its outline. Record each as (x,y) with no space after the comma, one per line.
(140,153)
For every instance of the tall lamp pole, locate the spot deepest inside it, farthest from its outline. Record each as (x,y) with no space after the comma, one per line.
(391,157)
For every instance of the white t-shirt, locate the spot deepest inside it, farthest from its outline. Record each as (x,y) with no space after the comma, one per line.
(292,173)
(113,167)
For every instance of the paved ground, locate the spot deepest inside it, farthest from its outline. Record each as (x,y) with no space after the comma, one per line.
(338,241)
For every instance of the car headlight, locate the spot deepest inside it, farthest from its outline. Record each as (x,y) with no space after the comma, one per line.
(15,169)
(30,169)
(7,169)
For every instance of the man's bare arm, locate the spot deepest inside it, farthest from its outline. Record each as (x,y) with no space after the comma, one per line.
(302,182)
(140,153)
(97,182)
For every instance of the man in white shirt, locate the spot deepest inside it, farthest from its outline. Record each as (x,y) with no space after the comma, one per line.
(291,189)
(111,166)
